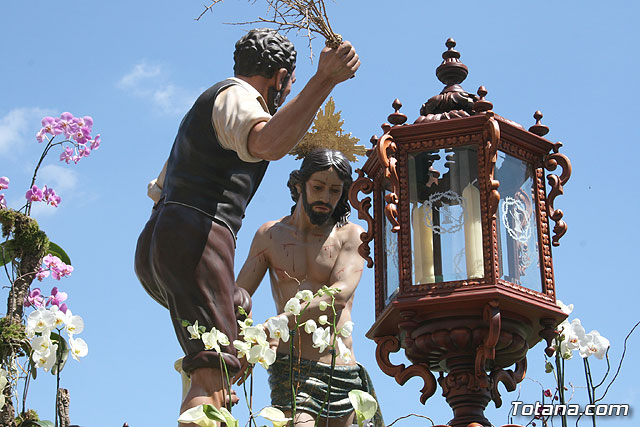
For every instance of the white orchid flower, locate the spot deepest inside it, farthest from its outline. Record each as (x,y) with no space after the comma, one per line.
(310,326)
(194,332)
(208,416)
(343,352)
(278,327)
(594,344)
(213,339)
(323,305)
(47,359)
(242,347)
(571,335)
(293,306)
(3,384)
(79,348)
(364,404)
(262,354)
(41,321)
(275,415)
(323,320)
(42,344)
(245,324)
(566,309)
(75,324)
(305,295)
(255,334)
(61,317)
(346,329)
(320,338)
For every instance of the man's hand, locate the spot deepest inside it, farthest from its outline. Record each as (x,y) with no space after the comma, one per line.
(338,65)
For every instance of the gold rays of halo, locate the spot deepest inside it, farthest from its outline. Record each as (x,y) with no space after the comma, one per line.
(327,132)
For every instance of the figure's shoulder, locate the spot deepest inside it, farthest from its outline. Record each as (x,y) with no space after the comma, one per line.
(271,229)
(350,232)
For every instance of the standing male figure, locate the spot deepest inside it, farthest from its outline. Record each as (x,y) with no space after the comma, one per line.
(312,247)
(185,253)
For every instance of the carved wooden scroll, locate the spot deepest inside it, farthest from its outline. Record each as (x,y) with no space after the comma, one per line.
(509,378)
(551,162)
(365,185)
(391,344)
(386,150)
(491,134)
(487,350)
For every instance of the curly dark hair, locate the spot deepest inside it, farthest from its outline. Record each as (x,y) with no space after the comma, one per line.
(262,52)
(322,159)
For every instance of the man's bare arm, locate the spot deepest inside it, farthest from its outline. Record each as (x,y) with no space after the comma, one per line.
(272,140)
(256,265)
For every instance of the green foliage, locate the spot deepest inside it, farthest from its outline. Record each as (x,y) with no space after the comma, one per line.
(28,239)
(62,354)
(12,339)
(29,418)
(56,250)
(7,252)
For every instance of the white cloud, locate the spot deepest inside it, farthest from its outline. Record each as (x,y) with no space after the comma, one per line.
(60,178)
(151,82)
(63,180)
(16,125)
(140,72)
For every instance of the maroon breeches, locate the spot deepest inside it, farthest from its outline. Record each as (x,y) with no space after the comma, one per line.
(184,260)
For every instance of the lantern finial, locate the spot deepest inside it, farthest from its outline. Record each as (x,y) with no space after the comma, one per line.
(396,118)
(453,101)
(539,129)
(451,71)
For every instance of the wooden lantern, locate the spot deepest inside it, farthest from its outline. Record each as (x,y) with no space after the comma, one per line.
(462,243)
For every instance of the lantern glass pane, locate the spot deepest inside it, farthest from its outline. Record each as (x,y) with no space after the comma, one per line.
(517,223)
(446,225)
(391,259)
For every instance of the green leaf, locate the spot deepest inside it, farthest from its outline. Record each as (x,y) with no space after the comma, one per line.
(62,353)
(213,413)
(59,252)
(185,323)
(7,252)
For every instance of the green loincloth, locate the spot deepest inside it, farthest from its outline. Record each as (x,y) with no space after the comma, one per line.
(311,378)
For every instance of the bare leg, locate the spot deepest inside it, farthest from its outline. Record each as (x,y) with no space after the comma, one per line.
(207,387)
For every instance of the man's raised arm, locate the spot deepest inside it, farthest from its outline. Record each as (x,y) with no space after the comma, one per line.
(273,139)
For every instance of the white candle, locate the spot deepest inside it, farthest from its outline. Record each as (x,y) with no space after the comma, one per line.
(473,232)
(423,244)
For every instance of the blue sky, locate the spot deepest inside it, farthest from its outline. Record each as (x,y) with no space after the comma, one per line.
(137,66)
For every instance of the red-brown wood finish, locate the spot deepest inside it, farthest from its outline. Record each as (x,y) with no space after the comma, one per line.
(467,331)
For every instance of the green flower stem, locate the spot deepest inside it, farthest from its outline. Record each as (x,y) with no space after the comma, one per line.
(292,334)
(249,398)
(333,358)
(56,415)
(49,146)
(590,389)
(560,379)
(25,391)
(223,367)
